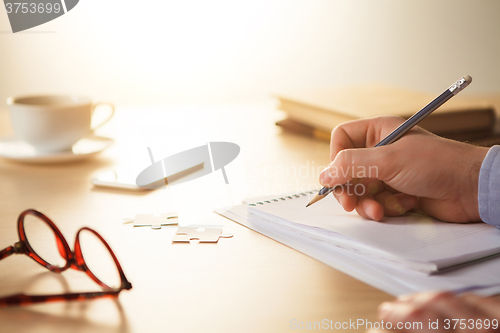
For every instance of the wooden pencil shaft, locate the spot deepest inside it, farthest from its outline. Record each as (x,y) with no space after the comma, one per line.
(416,118)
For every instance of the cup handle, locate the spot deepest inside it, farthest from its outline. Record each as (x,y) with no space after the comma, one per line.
(94,107)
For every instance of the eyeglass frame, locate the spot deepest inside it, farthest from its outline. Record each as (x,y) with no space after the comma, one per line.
(74,259)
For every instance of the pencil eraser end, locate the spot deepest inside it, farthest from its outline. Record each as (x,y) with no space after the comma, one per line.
(468,79)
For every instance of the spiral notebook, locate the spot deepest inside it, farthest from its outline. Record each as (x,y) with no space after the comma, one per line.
(414,242)
(347,242)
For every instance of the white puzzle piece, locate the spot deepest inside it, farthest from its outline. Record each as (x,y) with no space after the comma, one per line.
(155,221)
(202,235)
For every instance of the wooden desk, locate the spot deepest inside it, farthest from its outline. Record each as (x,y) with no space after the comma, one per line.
(248,283)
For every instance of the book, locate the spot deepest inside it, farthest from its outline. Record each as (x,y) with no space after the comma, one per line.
(479,138)
(325,108)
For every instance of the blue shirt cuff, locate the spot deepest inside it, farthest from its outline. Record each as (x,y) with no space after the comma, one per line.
(489,187)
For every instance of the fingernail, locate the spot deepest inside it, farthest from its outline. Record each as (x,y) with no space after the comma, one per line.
(371,213)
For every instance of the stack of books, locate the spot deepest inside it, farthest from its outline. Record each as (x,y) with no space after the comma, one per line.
(317,112)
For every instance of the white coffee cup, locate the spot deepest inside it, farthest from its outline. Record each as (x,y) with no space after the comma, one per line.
(53,123)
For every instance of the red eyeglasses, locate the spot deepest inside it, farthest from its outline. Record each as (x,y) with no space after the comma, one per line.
(58,257)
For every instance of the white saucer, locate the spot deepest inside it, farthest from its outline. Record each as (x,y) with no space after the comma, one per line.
(16,150)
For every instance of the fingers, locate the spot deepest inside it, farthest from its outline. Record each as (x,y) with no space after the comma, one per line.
(396,204)
(358,163)
(486,306)
(414,309)
(348,135)
(349,163)
(441,308)
(369,208)
(361,133)
(385,204)
(372,199)
(346,198)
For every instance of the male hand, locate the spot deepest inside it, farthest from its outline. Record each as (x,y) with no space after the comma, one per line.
(419,171)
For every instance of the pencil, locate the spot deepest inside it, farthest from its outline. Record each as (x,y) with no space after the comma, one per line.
(454,89)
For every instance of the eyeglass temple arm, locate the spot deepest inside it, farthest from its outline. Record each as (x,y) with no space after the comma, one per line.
(7,252)
(14,249)
(23,299)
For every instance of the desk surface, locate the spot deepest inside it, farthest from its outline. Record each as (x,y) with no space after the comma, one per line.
(248,283)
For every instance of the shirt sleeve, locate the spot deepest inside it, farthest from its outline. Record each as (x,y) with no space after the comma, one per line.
(489,188)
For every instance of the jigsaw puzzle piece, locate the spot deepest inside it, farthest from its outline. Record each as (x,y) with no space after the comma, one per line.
(156,221)
(203,235)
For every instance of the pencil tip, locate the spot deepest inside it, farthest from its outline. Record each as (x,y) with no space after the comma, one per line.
(315,199)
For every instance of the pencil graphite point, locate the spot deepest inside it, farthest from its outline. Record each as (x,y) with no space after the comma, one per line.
(318,197)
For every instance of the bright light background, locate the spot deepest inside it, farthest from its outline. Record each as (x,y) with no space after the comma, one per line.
(198,51)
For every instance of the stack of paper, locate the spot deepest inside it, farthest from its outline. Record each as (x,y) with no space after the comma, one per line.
(397,255)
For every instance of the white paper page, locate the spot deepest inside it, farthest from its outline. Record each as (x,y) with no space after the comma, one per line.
(412,237)
(337,260)
(385,277)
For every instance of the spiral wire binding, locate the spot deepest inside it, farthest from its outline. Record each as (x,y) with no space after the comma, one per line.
(287,197)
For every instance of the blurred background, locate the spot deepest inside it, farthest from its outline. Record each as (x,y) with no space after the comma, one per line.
(226,51)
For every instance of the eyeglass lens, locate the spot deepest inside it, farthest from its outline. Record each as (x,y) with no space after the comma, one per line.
(97,257)
(43,240)
(99,260)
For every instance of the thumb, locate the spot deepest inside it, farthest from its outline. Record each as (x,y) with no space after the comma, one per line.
(356,163)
